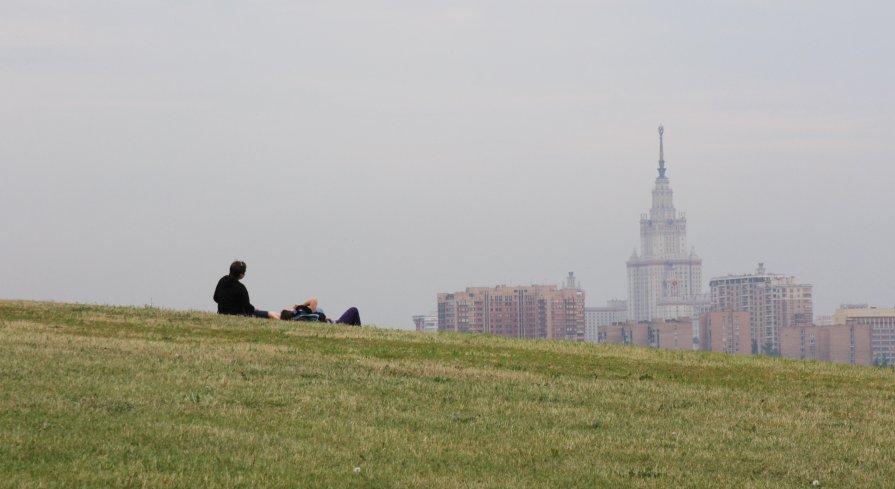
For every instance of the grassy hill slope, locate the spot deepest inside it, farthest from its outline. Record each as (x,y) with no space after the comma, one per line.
(140,397)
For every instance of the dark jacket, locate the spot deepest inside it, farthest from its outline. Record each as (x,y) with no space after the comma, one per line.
(232,297)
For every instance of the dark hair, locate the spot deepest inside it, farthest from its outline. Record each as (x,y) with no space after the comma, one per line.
(237,268)
(286,314)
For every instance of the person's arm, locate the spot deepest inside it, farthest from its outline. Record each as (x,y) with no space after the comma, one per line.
(244,299)
(310,304)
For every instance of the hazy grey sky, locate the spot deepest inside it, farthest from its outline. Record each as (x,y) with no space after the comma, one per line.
(376,153)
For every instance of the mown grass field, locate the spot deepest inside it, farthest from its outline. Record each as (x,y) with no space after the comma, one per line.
(94,396)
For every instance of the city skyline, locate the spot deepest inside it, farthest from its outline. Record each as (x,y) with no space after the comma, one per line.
(371,154)
(665,278)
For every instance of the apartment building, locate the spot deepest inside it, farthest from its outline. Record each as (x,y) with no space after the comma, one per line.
(532,311)
(807,342)
(728,332)
(674,334)
(773,301)
(595,318)
(866,337)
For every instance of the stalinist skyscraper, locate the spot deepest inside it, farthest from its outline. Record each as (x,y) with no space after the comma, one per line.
(665,280)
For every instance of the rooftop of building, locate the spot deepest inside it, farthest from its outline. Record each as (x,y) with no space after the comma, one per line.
(843,314)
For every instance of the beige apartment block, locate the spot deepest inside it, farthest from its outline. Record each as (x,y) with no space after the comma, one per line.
(859,323)
(639,333)
(630,333)
(674,334)
(531,311)
(806,342)
(851,343)
(617,333)
(842,343)
(728,332)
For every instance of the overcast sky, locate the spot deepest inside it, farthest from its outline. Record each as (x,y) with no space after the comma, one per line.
(377,153)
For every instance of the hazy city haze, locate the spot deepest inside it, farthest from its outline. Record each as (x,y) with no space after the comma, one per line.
(376,153)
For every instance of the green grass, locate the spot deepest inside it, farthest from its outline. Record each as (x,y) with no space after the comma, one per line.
(94,396)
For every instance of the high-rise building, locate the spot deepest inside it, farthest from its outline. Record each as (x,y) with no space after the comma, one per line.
(773,301)
(665,279)
(572,282)
(532,311)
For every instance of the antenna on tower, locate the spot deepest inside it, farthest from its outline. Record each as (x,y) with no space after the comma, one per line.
(661,152)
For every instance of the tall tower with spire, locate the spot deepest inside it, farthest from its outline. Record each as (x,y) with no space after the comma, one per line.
(665,278)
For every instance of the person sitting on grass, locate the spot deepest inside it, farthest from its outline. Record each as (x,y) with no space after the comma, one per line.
(232,296)
(308,311)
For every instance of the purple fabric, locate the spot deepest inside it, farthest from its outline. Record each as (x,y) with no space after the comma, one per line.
(350,317)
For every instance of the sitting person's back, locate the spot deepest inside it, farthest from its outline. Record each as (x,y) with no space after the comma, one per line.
(231,295)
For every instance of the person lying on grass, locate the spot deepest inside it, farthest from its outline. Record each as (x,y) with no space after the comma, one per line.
(232,296)
(308,311)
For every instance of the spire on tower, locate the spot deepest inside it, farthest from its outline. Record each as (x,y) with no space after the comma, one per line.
(661,152)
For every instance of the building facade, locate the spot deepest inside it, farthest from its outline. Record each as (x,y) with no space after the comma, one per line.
(773,301)
(533,311)
(665,279)
(874,324)
(851,343)
(596,318)
(806,342)
(427,323)
(675,334)
(728,332)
